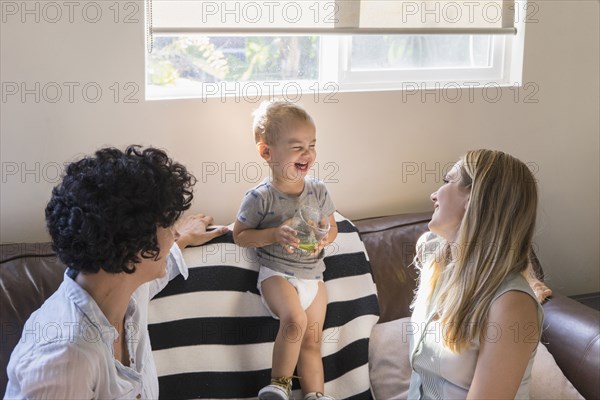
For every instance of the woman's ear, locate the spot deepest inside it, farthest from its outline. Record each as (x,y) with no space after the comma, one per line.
(263,150)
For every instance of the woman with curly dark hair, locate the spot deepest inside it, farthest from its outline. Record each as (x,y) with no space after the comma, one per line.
(112,221)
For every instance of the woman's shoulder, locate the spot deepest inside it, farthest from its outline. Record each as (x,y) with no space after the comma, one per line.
(515,307)
(427,244)
(514,282)
(63,320)
(515,294)
(57,311)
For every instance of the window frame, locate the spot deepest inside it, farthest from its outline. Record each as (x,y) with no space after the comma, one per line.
(335,74)
(381,79)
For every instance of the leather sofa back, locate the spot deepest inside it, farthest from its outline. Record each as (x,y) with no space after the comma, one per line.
(29,274)
(390,243)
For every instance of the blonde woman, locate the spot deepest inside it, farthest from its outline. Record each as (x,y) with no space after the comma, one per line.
(477,319)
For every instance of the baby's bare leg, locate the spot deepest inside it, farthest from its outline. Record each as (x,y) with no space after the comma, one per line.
(283,300)
(310,363)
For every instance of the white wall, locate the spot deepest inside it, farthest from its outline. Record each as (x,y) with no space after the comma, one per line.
(365,136)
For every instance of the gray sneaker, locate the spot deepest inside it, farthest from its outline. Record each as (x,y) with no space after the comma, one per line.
(279,389)
(317,396)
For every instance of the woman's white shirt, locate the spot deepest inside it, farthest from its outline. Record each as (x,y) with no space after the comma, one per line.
(66,348)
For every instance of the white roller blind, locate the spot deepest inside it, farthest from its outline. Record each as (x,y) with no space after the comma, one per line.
(177,17)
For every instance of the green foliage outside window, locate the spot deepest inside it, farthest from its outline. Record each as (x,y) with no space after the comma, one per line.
(214,59)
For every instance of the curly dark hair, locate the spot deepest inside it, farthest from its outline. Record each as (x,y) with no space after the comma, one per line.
(107,208)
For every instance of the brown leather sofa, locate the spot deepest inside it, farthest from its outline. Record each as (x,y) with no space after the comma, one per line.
(29,273)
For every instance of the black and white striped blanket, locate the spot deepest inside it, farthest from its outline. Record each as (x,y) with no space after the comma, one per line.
(213,338)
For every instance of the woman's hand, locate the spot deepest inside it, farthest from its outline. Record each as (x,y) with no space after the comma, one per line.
(540,289)
(191,230)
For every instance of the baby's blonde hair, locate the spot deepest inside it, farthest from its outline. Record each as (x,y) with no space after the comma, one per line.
(272,118)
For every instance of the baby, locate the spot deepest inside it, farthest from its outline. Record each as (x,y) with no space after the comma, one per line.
(290,279)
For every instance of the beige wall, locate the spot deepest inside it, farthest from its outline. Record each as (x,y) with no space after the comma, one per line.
(364,139)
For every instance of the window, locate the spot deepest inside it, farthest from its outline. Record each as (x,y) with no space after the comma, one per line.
(197,63)
(250,66)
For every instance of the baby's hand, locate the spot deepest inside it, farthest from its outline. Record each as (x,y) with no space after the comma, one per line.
(321,245)
(285,235)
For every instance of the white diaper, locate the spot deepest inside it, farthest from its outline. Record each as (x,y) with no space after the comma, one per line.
(307,288)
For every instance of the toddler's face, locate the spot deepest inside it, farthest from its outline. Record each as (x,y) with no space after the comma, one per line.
(294,153)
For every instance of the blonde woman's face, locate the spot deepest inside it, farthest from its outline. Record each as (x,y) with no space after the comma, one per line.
(449,203)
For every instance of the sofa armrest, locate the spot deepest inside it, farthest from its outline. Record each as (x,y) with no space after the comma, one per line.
(572,334)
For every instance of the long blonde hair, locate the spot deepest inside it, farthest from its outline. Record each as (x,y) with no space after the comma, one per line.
(493,241)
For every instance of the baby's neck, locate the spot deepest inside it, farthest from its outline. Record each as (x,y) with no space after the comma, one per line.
(292,188)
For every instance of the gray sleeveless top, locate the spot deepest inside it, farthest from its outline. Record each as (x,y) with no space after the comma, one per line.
(438,373)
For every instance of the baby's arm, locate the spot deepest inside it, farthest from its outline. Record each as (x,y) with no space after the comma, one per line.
(333,230)
(245,236)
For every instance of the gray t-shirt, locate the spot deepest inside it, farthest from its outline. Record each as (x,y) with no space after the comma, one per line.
(266,207)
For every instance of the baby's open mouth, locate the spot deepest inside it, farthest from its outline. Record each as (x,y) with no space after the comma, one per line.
(302,166)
